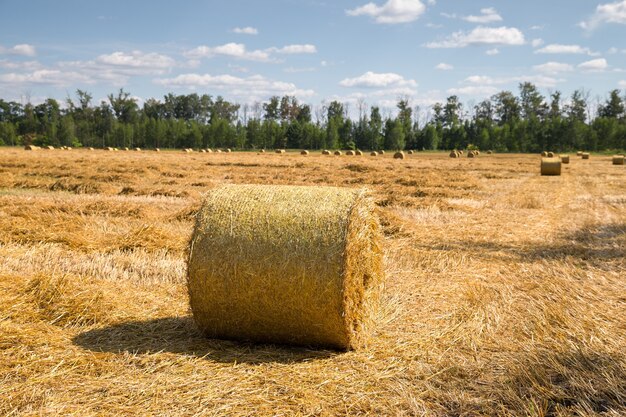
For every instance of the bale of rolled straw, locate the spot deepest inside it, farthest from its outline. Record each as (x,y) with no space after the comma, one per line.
(550,154)
(410,152)
(358,153)
(137,149)
(471,154)
(31,148)
(304,152)
(454,154)
(186,150)
(550,166)
(126,148)
(564,159)
(262,151)
(286,264)
(280,151)
(398,155)
(50,147)
(157,150)
(373,153)
(209,150)
(218,151)
(109,149)
(228,150)
(618,159)
(544,154)
(90,148)
(489,152)
(579,153)
(350,153)
(325,152)
(585,155)
(338,153)
(461,152)
(382,152)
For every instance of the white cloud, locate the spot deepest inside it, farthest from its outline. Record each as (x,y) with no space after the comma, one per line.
(393,11)
(555,48)
(622,84)
(55,78)
(494,51)
(594,65)
(487,15)
(253,87)
(248,30)
(553,67)
(23,49)
(20,65)
(294,49)
(536,27)
(536,42)
(606,13)
(234,50)
(538,80)
(378,80)
(481,36)
(444,67)
(294,70)
(136,59)
(473,90)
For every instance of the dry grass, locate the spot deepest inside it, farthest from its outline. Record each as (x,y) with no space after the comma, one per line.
(504,292)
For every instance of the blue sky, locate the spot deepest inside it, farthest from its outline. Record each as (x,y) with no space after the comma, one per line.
(318,50)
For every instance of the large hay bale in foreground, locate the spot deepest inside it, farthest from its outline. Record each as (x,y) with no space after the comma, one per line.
(618,159)
(585,155)
(398,155)
(564,159)
(550,166)
(286,264)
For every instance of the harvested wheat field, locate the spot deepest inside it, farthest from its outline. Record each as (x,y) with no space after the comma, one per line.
(505,291)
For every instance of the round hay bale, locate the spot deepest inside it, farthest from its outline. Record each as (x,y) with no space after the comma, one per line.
(454,154)
(471,154)
(126,149)
(410,152)
(358,153)
(382,152)
(489,152)
(398,155)
(203,150)
(90,148)
(338,153)
(186,150)
(350,153)
(137,149)
(262,151)
(618,159)
(286,264)
(564,159)
(325,152)
(157,150)
(218,151)
(209,150)
(31,148)
(585,155)
(304,152)
(544,154)
(579,153)
(280,151)
(550,154)
(116,149)
(50,147)
(461,152)
(373,153)
(550,166)
(108,149)
(228,150)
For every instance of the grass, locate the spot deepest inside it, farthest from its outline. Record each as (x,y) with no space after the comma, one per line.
(504,293)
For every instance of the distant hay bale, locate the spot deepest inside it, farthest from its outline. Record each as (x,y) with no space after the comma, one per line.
(373,153)
(579,153)
(203,150)
(325,152)
(564,159)
(338,153)
(350,153)
(618,159)
(358,153)
(218,151)
(228,150)
(550,154)
(461,152)
(90,148)
(585,155)
(410,152)
(304,152)
(209,150)
(157,150)
(116,149)
(286,264)
(50,147)
(489,152)
(550,166)
(382,152)
(186,150)
(262,151)
(454,154)
(544,154)
(109,149)
(471,154)
(280,151)
(137,149)
(398,155)
(31,148)
(126,149)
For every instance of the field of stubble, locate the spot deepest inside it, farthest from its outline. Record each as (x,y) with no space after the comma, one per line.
(505,291)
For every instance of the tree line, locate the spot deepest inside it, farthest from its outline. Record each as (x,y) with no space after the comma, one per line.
(526,122)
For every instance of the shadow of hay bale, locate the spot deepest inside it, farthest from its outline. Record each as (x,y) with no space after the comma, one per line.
(181,336)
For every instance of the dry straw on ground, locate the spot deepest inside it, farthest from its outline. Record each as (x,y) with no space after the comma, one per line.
(618,159)
(286,264)
(550,166)
(564,159)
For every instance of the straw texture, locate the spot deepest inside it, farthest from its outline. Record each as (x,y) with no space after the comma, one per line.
(550,166)
(286,264)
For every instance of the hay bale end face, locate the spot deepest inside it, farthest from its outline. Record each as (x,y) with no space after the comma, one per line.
(382,152)
(410,152)
(564,159)
(350,153)
(454,154)
(618,159)
(338,153)
(471,154)
(550,154)
(157,150)
(579,153)
(585,155)
(325,152)
(286,264)
(304,152)
(550,166)
(398,155)
(489,152)
(373,153)
(544,154)
(358,153)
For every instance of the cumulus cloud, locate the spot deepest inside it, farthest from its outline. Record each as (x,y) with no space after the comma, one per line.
(392,11)
(234,50)
(481,35)
(594,65)
(294,49)
(248,30)
(473,90)
(538,80)
(606,13)
(556,48)
(622,84)
(444,67)
(377,80)
(487,15)
(553,67)
(56,78)
(255,86)
(136,59)
(494,51)
(23,49)
(536,42)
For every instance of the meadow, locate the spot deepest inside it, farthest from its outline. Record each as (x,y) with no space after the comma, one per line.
(505,291)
